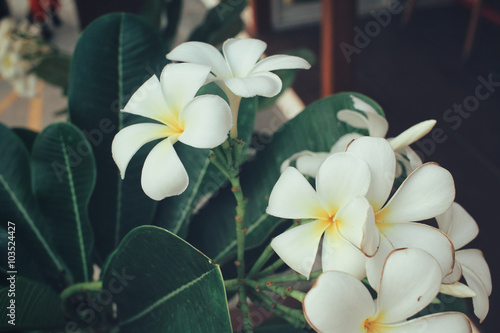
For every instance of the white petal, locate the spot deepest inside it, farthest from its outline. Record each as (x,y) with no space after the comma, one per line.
(163,174)
(294,198)
(356,223)
(339,255)
(148,101)
(343,142)
(181,82)
(480,302)
(410,281)
(361,105)
(474,260)
(377,125)
(308,164)
(458,225)
(261,84)
(131,138)
(447,322)
(203,54)
(421,236)
(341,178)
(286,163)
(426,193)
(298,247)
(206,120)
(412,134)
(338,303)
(280,61)
(379,156)
(353,118)
(242,54)
(409,159)
(455,275)
(375,264)
(457,289)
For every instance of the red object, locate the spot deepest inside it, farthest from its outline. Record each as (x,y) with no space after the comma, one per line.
(43,9)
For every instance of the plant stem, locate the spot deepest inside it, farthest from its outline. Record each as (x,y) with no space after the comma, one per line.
(231,285)
(271,268)
(261,261)
(240,238)
(293,316)
(290,277)
(279,290)
(80,288)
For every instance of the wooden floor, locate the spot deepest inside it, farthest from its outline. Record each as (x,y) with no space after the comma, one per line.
(415,74)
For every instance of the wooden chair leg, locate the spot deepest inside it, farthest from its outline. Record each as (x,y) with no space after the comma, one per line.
(410,5)
(471,30)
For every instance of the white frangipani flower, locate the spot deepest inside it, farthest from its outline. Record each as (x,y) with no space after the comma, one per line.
(366,117)
(238,71)
(340,303)
(426,193)
(340,213)
(13,67)
(201,122)
(462,229)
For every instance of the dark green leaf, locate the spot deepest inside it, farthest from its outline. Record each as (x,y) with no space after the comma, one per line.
(114,56)
(220,23)
(27,136)
(64,174)
(37,306)
(170,285)
(18,205)
(315,129)
(173,11)
(174,213)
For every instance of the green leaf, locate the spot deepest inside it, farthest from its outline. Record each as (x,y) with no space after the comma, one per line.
(174,213)
(114,56)
(315,129)
(27,136)
(54,69)
(173,12)
(287,76)
(37,306)
(31,268)
(171,286)
(153,10)
(18,205)
(220,23)
(64,174)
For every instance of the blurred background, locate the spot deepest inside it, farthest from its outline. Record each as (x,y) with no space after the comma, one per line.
(419,59)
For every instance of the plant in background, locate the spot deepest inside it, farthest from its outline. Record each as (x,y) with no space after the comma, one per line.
(165,248)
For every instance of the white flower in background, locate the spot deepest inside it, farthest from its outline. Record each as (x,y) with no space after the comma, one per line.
(462,229)
(238,71)
(340,213)
(13,67)
(340,303)
(366,117)
(427,192)
(201,122)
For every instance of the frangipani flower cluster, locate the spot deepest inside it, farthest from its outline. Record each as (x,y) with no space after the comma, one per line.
(14,68)
(365,117)
(238,70)
(360,226)
(410,280)
(200,122)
